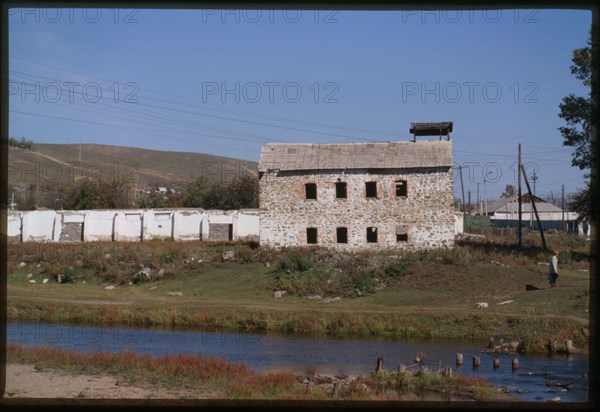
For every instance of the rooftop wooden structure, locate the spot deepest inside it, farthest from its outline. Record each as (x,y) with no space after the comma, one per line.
(431,129)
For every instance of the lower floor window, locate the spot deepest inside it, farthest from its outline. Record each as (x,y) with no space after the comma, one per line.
(401,233)
(341,235)
(311,235)
(371,235)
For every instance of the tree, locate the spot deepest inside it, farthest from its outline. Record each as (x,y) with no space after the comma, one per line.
(153,200)
(197,192)
(21,144)
(577,113)
(96,194)
(509,191)
(241,192)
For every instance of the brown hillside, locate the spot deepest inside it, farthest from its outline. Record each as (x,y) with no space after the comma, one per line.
(54,164)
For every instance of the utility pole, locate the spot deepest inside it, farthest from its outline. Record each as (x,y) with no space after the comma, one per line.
(535,179)
(462,188)
(563,207)
(552,195)
(537,216)
(484,196)
(469,202)
(478,201)
(519,234)
(485,209)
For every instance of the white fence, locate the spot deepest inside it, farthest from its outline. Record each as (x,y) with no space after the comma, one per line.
(132,225)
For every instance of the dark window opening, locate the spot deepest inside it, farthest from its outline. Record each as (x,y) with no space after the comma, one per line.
(401,233)
(340,190)
(371,235)
(401,188)
(311,190)
(371,189)
(311,235)
(230,232)
(342,235)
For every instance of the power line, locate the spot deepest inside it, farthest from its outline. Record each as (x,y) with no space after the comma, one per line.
(235,110)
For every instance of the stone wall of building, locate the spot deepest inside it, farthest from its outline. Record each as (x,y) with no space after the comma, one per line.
(426,214)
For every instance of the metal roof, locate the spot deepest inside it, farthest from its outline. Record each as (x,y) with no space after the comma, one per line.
(510,205)
(376,155)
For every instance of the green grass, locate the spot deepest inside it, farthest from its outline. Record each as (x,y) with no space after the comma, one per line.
(420,294)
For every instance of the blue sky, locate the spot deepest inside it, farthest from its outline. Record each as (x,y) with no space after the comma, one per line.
(226,82)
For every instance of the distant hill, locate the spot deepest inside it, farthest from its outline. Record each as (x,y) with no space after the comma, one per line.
(55,164)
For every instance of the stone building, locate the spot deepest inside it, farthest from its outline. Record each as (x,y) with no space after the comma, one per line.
(357,195)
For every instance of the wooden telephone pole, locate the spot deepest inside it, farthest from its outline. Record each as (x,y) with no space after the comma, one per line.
(462,188)
(562,206)
(537,217)
(519,234)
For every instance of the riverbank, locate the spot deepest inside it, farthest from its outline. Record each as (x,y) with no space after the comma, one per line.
(56,373)
(477,290)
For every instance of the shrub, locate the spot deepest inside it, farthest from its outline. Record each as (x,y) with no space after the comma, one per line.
(398,267)
(245,256)
(564,257)
(139,278)
(452,256)
(364,282)
(295,262)
(69,275)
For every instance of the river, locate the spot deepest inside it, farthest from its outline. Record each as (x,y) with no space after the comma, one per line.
(323,354)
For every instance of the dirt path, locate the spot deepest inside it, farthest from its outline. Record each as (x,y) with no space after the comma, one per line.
(26,381)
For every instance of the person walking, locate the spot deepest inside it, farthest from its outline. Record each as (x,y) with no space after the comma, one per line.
(553,269)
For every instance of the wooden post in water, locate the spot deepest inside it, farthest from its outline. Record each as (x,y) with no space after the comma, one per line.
(569,346)
(336,389)
(401,368)
(379,367)
(496,363)
(515,363)
(552,345)
(476,361)
(448,371)
(459,359)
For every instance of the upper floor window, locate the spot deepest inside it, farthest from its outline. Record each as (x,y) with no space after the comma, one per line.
(401,189)
(371,189)
(340,190)
(310,190)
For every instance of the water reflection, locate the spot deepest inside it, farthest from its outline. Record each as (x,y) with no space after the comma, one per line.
(534,380)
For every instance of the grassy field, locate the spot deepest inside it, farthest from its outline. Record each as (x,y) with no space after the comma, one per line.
(190,374)
(420,294)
